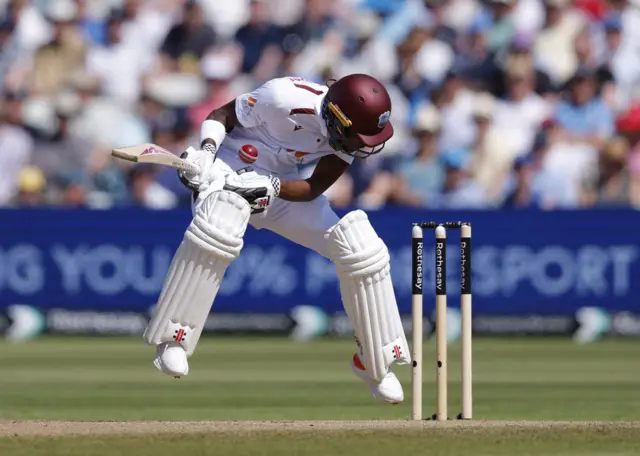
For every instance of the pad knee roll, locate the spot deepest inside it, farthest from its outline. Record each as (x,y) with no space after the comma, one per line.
(213,239)
(363,266)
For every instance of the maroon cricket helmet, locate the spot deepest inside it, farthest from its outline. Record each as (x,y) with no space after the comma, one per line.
(357,109)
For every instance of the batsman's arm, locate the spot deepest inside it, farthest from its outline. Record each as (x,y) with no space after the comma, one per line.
(325,174)
(212,132)
(217,124)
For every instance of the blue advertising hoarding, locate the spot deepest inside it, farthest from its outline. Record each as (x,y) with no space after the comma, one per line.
(529,262)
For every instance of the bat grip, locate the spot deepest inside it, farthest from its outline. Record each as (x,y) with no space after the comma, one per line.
(191,168)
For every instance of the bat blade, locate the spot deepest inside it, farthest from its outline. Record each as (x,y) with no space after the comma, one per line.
(154,154)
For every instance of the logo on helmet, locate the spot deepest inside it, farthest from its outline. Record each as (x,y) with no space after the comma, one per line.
(383,119)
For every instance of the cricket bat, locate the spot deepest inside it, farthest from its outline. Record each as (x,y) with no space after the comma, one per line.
(154,154)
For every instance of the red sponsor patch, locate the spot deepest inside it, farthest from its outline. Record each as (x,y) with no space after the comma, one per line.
(302,111)
(310,89)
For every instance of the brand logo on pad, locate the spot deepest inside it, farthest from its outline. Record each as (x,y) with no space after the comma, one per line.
(179,335)
(396,352)
(262,202)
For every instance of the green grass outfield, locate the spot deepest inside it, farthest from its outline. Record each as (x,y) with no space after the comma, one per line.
(258,379)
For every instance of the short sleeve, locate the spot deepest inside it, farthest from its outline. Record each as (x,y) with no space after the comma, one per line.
(254,108)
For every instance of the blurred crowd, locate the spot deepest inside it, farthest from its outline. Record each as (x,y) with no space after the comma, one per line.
(496,103)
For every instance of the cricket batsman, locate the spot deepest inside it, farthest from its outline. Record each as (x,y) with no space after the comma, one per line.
(289,121)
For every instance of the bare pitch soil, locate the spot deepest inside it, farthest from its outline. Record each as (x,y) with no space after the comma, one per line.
(22,428)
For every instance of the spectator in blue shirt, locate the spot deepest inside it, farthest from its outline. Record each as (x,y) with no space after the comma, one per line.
(502,27)
(476,61)
(94,29)
(318,19)
(420,175)
(584,117)
(441,31)
(257,36)
(187,41)
(384,7)
(533,186)
(521,194)
(396,28)
(612,25)
(458,191)
(520,48)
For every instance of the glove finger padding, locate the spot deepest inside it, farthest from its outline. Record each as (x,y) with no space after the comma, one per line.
(259,191)
(205,160)
(256,197)
(362,263)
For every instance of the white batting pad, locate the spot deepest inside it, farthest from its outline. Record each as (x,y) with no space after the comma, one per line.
(362,262)
(211,242)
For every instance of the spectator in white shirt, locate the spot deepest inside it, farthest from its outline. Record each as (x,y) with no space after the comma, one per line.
(147,192)
(519,116)
(32,30)
(609,185)
(532,185)
(493,153)
(147,22)
(16,147)
(455,103)
(63,152)
(554,48)
(119,65)
(625,63)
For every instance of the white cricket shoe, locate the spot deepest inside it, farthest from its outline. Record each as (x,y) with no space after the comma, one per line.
(388,390)
(171,359)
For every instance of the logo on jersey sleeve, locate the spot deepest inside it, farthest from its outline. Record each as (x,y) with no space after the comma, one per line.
(384,119)
(248,104)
